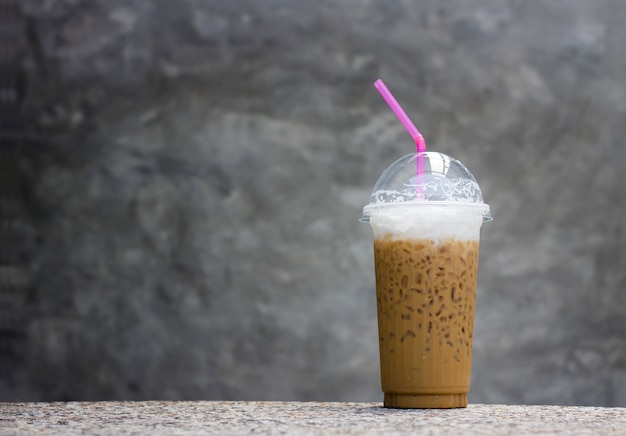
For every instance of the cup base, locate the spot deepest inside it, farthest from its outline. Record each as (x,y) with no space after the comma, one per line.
(419,401)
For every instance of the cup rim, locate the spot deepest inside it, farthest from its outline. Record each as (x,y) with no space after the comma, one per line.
(426,208)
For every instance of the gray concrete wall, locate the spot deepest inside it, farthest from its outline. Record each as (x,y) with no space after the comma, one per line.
(197,201)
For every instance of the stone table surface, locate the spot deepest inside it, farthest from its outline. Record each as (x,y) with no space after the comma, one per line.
(218,417)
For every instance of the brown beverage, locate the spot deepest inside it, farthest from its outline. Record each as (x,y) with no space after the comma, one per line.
(426,211)
(426,291)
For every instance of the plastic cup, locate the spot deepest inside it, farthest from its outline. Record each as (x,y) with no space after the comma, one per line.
(426,230)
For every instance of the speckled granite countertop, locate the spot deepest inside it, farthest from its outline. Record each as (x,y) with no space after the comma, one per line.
(213,417)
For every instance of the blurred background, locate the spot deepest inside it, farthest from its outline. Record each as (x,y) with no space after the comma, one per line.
(181,183)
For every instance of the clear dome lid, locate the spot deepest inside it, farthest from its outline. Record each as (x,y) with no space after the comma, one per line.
(426,183)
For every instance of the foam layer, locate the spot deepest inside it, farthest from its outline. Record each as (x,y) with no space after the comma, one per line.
(423,226)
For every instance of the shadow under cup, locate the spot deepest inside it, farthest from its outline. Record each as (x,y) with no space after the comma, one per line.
(426,274)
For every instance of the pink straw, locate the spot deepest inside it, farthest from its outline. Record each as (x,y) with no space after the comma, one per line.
(420,144)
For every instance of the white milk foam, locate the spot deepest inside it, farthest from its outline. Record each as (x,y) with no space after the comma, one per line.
(412,225)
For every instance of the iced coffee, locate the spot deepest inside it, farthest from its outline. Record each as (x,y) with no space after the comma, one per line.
(426,264)
(425,292)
